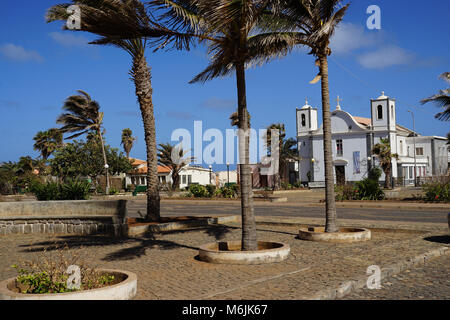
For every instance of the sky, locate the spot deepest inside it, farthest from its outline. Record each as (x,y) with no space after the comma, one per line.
(41,65)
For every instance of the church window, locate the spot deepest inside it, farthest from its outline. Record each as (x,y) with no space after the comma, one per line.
(339,148)
(401,146)
(392,112)
(303,120)
(380,112)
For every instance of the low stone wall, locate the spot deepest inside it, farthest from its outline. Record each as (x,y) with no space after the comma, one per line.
(64,217)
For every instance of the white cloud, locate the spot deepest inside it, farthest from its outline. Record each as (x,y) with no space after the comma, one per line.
(68,40)
(18,53)
(385,57)
(349,37)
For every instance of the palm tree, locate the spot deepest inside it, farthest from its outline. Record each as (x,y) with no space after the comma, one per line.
(383,151)
(442,99)
(312,23)
(127,140)
(83,116)
(173,157)
(47,141)
(120,23)
(230,29)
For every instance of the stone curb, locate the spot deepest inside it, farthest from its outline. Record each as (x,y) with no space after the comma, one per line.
(360,282)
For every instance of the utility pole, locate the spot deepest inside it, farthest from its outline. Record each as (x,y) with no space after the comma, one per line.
(414,141)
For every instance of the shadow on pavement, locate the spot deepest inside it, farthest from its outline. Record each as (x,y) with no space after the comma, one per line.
(445,239)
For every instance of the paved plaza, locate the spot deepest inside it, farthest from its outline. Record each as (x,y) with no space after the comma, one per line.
(167,266)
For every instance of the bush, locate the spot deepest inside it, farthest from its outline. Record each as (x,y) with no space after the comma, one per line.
(369,189)
(375,174)
(211,189)
(366,189)
(230,191)
(70,190)
(113,191)
(198,191)
(437,191)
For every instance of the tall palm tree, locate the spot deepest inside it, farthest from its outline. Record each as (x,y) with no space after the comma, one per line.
(127,140)
(120,23)
(82,115)
(383,151)
(442,99)
(230,30)
(174,158)
(47,141)
(312,23)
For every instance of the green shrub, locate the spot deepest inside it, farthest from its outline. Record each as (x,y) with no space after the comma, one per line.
(437,191)
(366,189)
(70,190)
(198,191)
(230,191)
(375,174)
(211,189)
(113,191)
(369,189)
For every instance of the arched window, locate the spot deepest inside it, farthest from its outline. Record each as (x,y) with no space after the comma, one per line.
(392,112)
(380,112)
(303,120)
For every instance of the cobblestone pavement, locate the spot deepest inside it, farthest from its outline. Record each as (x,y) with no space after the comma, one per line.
(167,267)
(428,282)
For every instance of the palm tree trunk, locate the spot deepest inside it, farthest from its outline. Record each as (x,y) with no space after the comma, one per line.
(330,205)
(249,241)
(105,161)
(142,79)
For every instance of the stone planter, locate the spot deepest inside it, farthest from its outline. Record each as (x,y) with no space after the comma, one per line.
(230,253)
(124,290)
(344,234)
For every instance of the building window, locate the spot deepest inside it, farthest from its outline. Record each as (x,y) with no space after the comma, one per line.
(392,112)
(189,178)
(303,120)
(339,148)
(380,112)
(401,146)
(407,151)
(411,175)
(183,179)
(419,151)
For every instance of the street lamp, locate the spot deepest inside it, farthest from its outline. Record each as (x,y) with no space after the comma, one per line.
(210,173)
(414,139)
(228,173)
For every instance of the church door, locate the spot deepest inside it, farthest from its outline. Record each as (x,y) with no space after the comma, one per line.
(340,175)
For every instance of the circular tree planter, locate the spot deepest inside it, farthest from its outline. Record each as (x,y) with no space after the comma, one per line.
(124,290)
(344,234)
(230,253)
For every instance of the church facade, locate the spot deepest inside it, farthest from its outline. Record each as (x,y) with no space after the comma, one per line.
(353,138)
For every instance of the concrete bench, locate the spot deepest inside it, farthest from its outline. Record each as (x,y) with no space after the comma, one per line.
(318,184)
(75,217)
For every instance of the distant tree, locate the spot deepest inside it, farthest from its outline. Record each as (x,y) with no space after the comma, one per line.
(85,159)
(83,116)
(441,99)
(127,141)
(47,141)
(383,151)
(174,158)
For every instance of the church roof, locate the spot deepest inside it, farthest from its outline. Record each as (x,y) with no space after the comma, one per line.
(367,121)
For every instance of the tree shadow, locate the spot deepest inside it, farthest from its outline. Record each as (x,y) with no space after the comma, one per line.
(219,231)
(445,239)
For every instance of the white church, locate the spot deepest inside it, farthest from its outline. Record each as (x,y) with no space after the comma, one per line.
(353,138)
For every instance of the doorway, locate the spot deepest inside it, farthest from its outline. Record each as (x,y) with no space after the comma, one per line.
(340,175)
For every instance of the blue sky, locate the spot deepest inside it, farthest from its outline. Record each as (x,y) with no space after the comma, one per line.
(42,65)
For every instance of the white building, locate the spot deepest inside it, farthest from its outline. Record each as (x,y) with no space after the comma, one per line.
(188,175)
(352,141)
(223,177)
